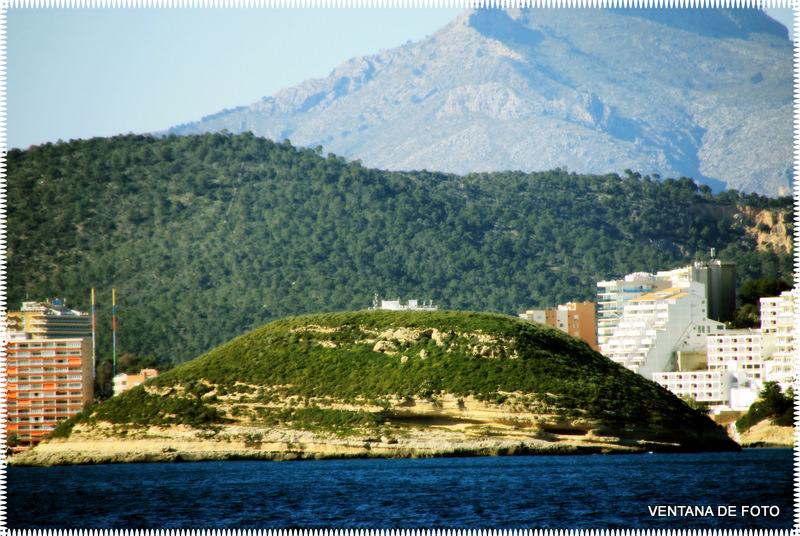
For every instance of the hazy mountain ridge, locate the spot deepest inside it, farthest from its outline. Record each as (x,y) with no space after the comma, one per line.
(707,96)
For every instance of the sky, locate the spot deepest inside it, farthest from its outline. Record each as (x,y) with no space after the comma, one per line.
(83,72)
(80,73)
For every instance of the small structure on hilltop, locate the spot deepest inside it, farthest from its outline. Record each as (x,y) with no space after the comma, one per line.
(395,305)
(123,382)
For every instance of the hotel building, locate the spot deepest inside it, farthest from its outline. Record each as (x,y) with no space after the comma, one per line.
(777,321)
(739,362)
(654,327)
(717,280)
(612,297)
(49,368)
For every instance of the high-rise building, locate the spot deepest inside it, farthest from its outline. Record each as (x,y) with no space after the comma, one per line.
(576,319)
(718,280)
(49,380)
(49,368)
(50,320)
(739,362)
(612,297)
(777,321)
(654,327)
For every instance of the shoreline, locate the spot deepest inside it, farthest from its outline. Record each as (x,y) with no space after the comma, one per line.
(91,446)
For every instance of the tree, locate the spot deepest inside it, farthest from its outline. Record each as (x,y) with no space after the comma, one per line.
(772,404)
(773,401)
(13,440)
(765,287)
(746,317)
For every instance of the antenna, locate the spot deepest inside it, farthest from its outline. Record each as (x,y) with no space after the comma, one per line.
(114,326)
(94,341)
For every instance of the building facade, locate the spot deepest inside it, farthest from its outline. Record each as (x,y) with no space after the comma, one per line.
(778,321)
(654,327)
(49,380)
(743,360)
(50,320)
(576,319)
(123,382)
(717,280)
(612,297)
(49,368)
(710,387)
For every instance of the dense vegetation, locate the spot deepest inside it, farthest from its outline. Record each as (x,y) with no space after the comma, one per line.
(293,369)
(749,314)
(206,237)
(772,404)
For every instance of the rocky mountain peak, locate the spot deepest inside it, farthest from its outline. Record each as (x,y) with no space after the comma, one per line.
(703,93)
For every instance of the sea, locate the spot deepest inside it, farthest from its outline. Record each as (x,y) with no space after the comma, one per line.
(752,489)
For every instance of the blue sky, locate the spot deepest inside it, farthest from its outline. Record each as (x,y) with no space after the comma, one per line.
(80,73)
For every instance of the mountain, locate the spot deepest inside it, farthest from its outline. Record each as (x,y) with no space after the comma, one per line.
(386,384)
(207,237)
(701,93)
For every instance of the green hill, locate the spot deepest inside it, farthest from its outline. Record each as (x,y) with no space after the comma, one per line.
(207,237)
(412,383)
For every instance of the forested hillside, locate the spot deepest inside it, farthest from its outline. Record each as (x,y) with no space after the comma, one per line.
(206,237)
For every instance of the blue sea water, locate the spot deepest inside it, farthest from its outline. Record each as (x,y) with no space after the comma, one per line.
(523,492)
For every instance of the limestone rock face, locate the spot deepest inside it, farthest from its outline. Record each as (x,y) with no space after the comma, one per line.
(702,93)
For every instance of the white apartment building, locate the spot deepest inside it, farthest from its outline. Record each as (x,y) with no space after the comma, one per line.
(777,321)
(612,297)
(741,354)
(741,351)
(712,387)
(717,278)
(742,360)
(656,325)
